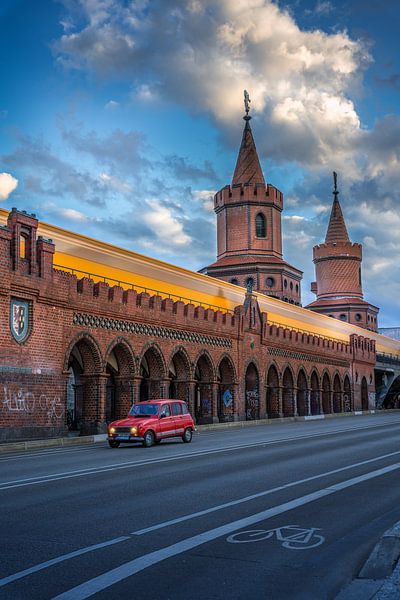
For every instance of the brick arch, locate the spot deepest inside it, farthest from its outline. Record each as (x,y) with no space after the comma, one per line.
(227,359)
(184,366)
(326,392)
(364,394)
(152,370)
(272,384)
(302,393)
(157,361)
(204,354)
(288,392)
(347,397)
(179,381)
(124,354)
(227,401)
(252,391)
(337,393)
(315,399)
(204,375)
(85,408)
(91,351)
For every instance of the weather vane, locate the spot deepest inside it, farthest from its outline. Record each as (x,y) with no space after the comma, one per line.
(335,190)
(246,102)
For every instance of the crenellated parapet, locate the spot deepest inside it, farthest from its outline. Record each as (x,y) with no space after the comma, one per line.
(249,193)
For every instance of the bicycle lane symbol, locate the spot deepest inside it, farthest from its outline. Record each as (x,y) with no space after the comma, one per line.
(292,537)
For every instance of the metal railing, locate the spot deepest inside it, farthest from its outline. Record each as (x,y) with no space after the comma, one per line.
(391,359)
(145,289)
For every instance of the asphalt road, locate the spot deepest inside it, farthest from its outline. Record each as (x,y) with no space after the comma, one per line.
(265,512)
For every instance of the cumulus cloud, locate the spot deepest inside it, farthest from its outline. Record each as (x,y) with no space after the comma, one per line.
(166,228)
(8,184)
(195,52)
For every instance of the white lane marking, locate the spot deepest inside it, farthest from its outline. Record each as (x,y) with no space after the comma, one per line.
(59,559)
(6,485)
(104,581)
(63,557)
(285,486)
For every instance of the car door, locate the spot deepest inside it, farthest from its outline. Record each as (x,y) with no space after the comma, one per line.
(166,423)
(179,418)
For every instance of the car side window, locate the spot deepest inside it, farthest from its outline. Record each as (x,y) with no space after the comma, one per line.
(185,409)
(166,410)
(176,409)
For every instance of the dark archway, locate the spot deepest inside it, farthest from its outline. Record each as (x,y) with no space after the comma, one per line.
(179,376)
(273,393)
(337,395)
(392,398)
(347,400)
(204,376)
(120,368)
(252,385)
(287,394)
(302,391)
(84,407)
(314,394)
(326,395)
(364,394)
(152,374)
(226,394)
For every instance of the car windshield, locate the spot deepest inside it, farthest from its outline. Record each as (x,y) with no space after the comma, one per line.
(141,410)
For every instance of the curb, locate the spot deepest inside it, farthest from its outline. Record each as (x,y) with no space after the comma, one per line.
(92,439)
(375,578)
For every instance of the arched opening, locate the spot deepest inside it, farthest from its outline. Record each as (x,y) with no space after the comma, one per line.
(364,394)
(84,413)
(152,374)
(302,408)
(392,398)
(326,394)
(261,229)
(347,403)
(203,391)
(179,375)
(314,395)
(287,394)
(226,398)
(119,388)
(252,386)
(337,395)
(272,393)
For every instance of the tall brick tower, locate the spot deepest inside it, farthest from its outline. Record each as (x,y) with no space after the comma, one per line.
(249,234)
(338,284)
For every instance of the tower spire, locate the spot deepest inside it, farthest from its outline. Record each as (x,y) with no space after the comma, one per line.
(248,169)
(337,231)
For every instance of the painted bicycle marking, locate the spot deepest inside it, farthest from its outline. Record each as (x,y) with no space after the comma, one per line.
(293,537)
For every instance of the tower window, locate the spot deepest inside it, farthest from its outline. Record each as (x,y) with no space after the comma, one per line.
(358,317)
(270,281)
(285,283)
(261,230)
(22,246)
(235,281)
(343,317)
(250,284)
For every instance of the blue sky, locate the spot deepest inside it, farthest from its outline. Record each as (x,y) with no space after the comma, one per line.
(120,119)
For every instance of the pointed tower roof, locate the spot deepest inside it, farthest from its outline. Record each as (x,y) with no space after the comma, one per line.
(337,231)
(248,168)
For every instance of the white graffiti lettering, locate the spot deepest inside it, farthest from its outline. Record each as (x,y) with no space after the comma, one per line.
(23,401)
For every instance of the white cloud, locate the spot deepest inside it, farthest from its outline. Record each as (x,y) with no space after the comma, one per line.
(194,52)
(8,184)
(206,197)
(165,225)
(111,105)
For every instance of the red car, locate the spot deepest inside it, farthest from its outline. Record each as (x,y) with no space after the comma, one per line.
(150,422)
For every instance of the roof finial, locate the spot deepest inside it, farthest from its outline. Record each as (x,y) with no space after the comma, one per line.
(335,190)
(247,105)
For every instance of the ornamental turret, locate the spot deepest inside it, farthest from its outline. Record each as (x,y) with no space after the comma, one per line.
(338,284)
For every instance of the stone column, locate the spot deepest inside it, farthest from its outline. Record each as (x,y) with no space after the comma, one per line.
(214,406)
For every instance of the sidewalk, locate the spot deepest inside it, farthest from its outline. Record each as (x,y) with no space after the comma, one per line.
(379,579)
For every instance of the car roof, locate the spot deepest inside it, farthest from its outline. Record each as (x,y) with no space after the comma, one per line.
(160,400)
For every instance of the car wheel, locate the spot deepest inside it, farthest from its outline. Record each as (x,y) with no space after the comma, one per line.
(187,436)
(148,439)
(113,444)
